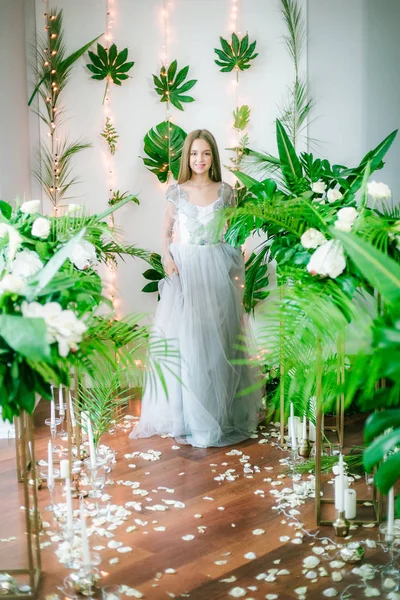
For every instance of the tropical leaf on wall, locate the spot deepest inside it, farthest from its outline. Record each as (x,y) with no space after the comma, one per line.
(110,134)
(109,64)
(171,87)
(241,117)
(163,145)
(256,281)
(236,54)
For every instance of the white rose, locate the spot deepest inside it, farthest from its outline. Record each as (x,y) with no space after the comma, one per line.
(312,238)
(11,283)
(74,209)
(333,195)
(83,255)
(41,228)
(31,207)
(328,260)
(345,218)
(63,326)
(26,263)
(379,191)
(343,225)
(14,239)
(318,187)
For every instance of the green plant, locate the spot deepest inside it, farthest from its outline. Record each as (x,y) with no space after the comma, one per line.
(241,117)
(110,134)
(171,87)
(52,68)
(109,64)
(117,197)
(163,145)
(235,54)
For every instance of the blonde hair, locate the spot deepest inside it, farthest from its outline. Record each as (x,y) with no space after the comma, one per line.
(185,172)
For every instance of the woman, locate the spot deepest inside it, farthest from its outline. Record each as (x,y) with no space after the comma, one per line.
(201,310)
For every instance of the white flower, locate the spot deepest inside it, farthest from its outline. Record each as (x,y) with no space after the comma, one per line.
(63,326)
(345,218)
(26,263)
(379,191)
(74,209)
(318,187)
(31,207)
(11,283)
(327,260)
(312,238)
(83,255)
(14,239)
(41,228)
(333,195)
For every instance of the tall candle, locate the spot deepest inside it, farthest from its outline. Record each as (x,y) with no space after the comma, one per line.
(64,471)
(85,543)
(304,427)
(312,432)
(390,513)
(91,444)
(341,484)
(52,414)
(60,401)
(71,410)
(337,489)
(50,471)
(350,503)
(292,411)
(293,434)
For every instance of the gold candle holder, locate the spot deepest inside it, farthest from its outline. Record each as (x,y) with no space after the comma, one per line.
(305,448)
(341,525)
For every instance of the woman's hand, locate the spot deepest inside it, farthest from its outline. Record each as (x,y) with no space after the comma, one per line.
(170,266)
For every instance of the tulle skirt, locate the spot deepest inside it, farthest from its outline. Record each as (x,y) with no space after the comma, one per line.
(201,313)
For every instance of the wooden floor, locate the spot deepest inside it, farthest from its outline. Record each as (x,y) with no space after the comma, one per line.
(221,515)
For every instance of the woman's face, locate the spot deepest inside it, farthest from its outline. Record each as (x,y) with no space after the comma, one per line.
(200,158)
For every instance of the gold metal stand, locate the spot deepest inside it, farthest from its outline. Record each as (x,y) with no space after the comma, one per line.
(25,455)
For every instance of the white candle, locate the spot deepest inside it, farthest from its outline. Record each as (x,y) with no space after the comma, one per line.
(91,444)
(304,427)
(71,410)
(291,411)
(341,484)
(50,471)
(52,414)
(350,503)
(85,542)
(64,472)
(60,401)
(390,513)
(293,434)
(337,489)
(312,432)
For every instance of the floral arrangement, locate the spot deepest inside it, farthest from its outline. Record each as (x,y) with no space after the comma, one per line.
(50,294)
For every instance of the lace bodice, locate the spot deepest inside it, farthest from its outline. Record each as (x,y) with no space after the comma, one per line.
(194,224)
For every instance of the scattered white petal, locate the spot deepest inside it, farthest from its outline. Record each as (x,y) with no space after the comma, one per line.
(169,571)
(114,544)
(175,447)
(250,556)
(283,572)
(271,596)
(188,538)
(330,592)
(228,579)
(198,516)
(284,538)
(124,549)
(369,526)
(237,592)
(160,528)
(258,531)
(301,591)
(311,575)
(336,576)
(310,562)
(220,562)
(318,550)
(113,561)
(371,592)
(337,564)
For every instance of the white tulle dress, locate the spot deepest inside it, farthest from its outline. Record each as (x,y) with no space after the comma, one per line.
(201,311)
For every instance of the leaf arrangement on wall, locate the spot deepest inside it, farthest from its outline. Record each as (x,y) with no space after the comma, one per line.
(171,87)
(110,134)
(109,64)
(163,145)
(241,119)
(52,67)
(236,54)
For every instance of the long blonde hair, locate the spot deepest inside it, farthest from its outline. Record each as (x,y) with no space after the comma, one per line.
(185,172)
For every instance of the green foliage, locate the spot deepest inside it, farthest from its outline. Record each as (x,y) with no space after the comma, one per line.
(256,281)
(171,87)
(241,116)
(109,64)
(118,196)
(235,54)
(163,145)
(154,277)
(110,134)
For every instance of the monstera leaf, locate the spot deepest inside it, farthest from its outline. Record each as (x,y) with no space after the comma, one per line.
(171,88)
(110,64)
(163,145)
(236,54)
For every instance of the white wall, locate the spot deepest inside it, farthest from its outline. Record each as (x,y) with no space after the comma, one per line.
(136,107)
(14,131)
